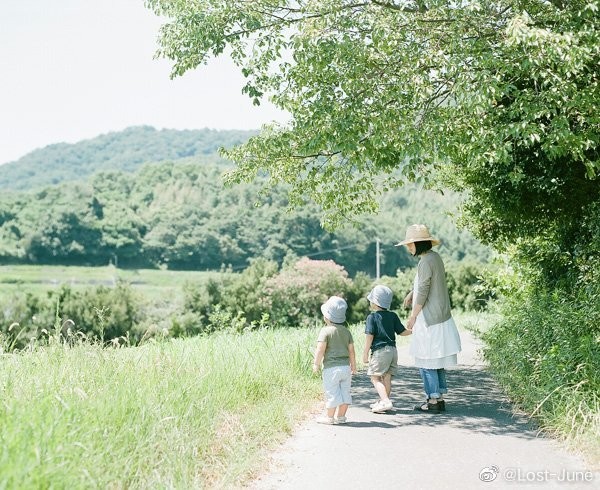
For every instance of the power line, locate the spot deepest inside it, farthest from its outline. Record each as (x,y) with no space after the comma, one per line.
(333,250)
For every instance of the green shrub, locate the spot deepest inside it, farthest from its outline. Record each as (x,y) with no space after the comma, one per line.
(546,353)
(230,301)
(24,316)
(261,295)
(186,324)
(294,296)
(244,293)
(103,313)
(356,297)
(467,285)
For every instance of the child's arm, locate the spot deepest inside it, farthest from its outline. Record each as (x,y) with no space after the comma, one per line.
(401,329)
(368,342)
(352,358)
(319,354)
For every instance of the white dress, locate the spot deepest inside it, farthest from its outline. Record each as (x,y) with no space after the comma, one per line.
(434,346)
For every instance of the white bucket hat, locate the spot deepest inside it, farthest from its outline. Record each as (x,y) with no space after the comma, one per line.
(418,233)
(381,295)
(334,309)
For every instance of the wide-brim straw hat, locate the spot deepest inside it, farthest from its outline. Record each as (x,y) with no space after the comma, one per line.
(418,233)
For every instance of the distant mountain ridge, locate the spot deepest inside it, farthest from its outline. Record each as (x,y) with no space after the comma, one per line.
(125,150)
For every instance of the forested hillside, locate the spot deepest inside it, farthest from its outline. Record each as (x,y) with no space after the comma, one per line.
(124,150)
(181,216)
(108,206)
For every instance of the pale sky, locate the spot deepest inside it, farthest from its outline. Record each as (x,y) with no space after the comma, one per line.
(74,69)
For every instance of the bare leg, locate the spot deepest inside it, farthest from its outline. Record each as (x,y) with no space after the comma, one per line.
(342,409)
(331,412)
(387,382)
(380,387)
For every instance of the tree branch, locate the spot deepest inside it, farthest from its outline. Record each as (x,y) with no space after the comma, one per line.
(421,7)
(288,22)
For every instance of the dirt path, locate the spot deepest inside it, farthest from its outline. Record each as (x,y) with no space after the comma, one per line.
(477,443)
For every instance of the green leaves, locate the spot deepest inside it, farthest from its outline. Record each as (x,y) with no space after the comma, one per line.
(495,98)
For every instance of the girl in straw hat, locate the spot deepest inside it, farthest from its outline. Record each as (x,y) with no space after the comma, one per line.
(435,342)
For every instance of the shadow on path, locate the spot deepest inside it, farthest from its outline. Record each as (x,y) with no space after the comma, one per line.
(474,403)
(404,448)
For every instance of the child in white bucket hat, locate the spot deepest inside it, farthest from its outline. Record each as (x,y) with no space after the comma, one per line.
(381,329)
(335,350)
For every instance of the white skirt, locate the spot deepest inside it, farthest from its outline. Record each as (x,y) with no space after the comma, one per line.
(441,363)
(435,346)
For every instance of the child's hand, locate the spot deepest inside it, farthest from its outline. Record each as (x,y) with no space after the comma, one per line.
(315,368)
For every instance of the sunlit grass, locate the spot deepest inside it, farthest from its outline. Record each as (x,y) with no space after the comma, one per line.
(191,413)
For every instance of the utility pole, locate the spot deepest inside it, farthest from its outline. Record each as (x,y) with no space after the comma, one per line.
(377,258)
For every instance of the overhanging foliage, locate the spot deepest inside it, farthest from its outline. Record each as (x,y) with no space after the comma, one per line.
(500,95)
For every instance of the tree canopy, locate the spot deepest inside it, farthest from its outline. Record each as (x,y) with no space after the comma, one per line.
(497,98)
(180,215)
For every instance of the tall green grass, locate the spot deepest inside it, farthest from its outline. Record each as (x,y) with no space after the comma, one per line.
(187,413)
(201,412)
(545,352)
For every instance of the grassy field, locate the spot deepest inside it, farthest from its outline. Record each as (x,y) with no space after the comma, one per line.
(106,387)
(192,413)
(185,413)
(35,278)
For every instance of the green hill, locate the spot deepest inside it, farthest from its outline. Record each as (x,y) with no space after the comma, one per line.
(122,151)
(179,215)
(99,201)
